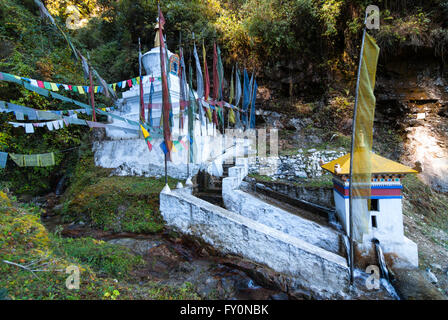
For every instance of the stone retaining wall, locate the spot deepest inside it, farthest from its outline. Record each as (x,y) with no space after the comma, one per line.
(305,266)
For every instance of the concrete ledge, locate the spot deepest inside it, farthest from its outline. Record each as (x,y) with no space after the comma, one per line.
(253,208)
(406,251)
(305,265)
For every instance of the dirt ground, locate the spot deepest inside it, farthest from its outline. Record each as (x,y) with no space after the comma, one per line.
(431,253)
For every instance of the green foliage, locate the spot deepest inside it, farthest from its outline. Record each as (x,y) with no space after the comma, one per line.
(129,204)
(25,241)
(329,13)
(113,260)
(31,48)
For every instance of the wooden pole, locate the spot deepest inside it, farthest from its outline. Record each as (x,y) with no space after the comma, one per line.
(92,97)
(166,169)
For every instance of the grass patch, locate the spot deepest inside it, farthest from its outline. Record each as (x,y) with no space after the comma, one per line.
(425,201)
(112,203)
(260,177)
(25,241)
(164,292)
(324,181)
(105,258)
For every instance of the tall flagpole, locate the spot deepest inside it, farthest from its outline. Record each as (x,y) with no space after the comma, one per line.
(142,105)
(165,93)
(351,157)
(92,99)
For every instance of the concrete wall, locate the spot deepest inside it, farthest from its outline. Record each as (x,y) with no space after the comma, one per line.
(318,195)
(255,209)
(304,164)
(306,266)
(389,232)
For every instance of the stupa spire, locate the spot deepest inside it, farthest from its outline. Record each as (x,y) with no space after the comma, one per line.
(157,39)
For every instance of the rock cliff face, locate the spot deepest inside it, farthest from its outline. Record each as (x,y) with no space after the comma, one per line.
(412,97)
(411,119)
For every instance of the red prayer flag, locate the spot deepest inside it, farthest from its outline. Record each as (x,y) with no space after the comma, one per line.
(142,104)
(215,73)
(206,76)
(165,92)
(40,84)
(149,145)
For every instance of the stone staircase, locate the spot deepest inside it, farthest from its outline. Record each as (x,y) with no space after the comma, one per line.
(209,188)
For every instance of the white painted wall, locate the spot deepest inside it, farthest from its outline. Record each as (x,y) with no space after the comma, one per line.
(255,209)
(390,231)
(303,264)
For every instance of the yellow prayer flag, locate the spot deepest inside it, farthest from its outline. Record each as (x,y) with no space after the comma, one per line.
(232,116)
(54,87)
(81,90)
(173,148)
(145,132)
(209,114)
(362,145)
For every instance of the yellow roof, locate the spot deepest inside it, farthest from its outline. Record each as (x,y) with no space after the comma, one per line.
(379,165)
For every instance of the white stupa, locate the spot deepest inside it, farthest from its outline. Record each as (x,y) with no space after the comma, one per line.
(128,152)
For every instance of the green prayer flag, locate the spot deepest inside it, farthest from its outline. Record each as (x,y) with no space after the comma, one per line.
(31,160)
(46,159)
(17,158)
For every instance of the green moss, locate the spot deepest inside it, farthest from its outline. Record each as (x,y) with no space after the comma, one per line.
(260,177)
(324,181)
(118,204)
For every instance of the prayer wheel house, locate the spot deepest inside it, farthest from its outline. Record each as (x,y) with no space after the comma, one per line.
(385,215)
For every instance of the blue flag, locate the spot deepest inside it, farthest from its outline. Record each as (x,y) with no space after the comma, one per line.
(163,147)
(151,92)
(199,83)
(246,96)
(3,158)
(252,110)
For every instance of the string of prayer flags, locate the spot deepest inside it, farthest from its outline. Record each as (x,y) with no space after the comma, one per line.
(33,160)
(52,86)
(184,145)
(177,145)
